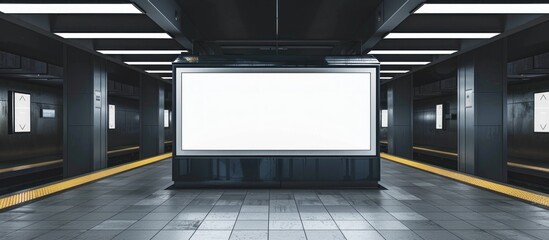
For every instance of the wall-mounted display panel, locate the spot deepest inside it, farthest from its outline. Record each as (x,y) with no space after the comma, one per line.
(439,117)
(112,116)
(276,111)
(384,118)
(541,112)
(20,112)
(48,113)
(167,118)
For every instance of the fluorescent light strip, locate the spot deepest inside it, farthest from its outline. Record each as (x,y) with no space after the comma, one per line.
(69,8)
(385,78)
(142,52)
(405,63)
(167,78)
(158,71)
(148,63)
(115,35)
(485,8)
(408,52)
(440,35)
(394,71)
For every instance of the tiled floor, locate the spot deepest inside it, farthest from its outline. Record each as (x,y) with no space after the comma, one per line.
(416,205)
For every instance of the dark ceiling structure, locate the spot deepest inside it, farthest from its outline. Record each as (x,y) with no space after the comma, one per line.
(280,27)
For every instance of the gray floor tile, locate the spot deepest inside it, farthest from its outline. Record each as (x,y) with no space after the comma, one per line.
(114,225)
(512,235)
(174,235)
(354,225)
(324,235)
(60,235)
(399,234)
(251,225)
(287,235)
(136,235)
(148,225)
(473,235)
(249,235)
(436,235)
(319,225)
(211,235)
(98,234)
(388,225)
(362,235)
(216,225)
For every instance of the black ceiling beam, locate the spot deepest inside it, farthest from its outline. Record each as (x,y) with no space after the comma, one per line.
(389,14)
(167,14)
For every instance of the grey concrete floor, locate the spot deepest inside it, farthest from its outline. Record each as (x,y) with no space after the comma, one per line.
(416,205)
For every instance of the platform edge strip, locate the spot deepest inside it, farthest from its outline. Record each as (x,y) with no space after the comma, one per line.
(39,192)
(525,195)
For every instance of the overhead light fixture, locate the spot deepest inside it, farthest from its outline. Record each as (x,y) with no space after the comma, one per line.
(148,63)
(385,78)
(483,8)
(394,71)
(115,35)
(69,8)
(405,63)
(158,71)
(141,52)
(409,52)
(167,78)
(440,35)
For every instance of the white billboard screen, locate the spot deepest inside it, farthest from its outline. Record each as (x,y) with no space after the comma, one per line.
(541,112)
(276,112)
(21,112)
(112,117)
(384,118)
(439,119)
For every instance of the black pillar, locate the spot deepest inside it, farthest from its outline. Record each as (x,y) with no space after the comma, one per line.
(400,109)
(85,113)
(482,112)
(152,117)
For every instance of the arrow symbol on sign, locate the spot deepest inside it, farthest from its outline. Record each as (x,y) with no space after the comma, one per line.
(22,127)
(22,97)
(543,97)
(543,127)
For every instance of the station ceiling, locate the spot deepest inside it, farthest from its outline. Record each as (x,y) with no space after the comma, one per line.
(282,27)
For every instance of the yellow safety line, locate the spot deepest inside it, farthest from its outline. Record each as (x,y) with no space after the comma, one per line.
(23,167)
(435,151)
(528,166)
(123,150)
(32,194)
(530,196)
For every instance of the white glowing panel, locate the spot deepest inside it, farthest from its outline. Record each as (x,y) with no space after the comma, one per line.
(541,112)
(440,117)
(21,112)
(384,118)
(277,111)
(112,116)
(166,118)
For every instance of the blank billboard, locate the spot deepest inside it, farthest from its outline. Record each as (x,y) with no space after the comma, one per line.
(230,112)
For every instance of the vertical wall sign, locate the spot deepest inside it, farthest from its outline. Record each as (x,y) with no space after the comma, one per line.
(541,112)
(166,118)
(20,110)
(112,116)
(384,118)
(440,117)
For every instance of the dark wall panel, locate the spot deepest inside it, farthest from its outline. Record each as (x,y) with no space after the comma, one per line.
(425,133)
(523,143)
(126,132)
(45,140)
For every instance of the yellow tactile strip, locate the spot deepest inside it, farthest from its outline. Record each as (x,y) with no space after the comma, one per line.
(530,196)
(23,167)
(33,194)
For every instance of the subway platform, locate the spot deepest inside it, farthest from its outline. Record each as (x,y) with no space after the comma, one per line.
(413,204)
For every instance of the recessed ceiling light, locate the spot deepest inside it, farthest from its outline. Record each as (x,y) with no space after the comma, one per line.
(404,63)
(158,71)
(115,35)
(394,71)
(483,8)
(440,35)
(142,52)
(167,78)
(69,8)
(148,63)
(385,78)
(407,52)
